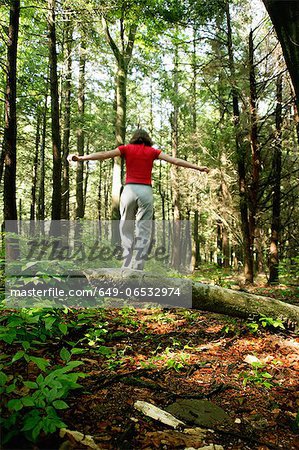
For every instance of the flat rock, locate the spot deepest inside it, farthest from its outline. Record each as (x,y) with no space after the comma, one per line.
(200,412)
(207,447)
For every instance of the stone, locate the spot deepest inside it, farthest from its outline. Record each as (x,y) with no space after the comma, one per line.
(199,412)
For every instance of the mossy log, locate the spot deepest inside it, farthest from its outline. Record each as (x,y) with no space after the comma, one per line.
(241,304)
(207,297)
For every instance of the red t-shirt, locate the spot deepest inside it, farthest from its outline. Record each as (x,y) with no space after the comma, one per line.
(139,162)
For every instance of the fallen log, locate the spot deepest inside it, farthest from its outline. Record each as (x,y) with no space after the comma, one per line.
(205,297)
(241,304)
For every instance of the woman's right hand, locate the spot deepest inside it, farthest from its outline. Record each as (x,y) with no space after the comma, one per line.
(73,157)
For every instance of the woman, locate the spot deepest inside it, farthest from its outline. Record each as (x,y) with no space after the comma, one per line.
(136,201)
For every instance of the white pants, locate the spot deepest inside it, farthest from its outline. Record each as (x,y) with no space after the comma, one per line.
(136,210)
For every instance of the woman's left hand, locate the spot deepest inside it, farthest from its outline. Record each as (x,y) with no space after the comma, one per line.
(73,157)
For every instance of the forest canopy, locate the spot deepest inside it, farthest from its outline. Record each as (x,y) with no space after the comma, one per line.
(206,79)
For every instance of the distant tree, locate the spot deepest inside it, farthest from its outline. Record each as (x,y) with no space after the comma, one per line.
(123,55)
(10,128)
(285,18)
(80,127)
(68,41)
(241,159)
(276,202)
(56,139)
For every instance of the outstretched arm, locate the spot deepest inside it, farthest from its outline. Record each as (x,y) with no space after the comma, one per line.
(182,162)
(99,156)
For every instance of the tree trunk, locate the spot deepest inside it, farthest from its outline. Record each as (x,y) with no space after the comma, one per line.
(224,196)
(241,157)
(195,260)
(123,57)
(276,165)
(225,247)
(86,178)
(80,131)
(56,141)
(196,247)
(174,122)
(10,127)
(120,133)
(35,168)
(41,194)
(259,249)
(255,150)
(219,243)
(285,18)
(65,200)
(100,201)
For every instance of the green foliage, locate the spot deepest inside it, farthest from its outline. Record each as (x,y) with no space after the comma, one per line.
(173,364)
(232,326)
(266,322)
(31,327)
(257,376)
(127,315)
(252,326)
(95,335)
(289,270)
(270,322)
(31,406)
(35,408)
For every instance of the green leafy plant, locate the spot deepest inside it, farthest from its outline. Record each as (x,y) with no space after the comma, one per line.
(252,326)
(128,316)
(31,327)
(173,364)
(95,335)
(36,411)
(270,322)
(257,375)
(266,322)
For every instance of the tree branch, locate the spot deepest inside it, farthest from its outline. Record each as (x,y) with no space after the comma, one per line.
(131,39)
(110,40)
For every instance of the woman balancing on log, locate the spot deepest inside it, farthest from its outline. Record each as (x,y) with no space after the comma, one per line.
(136,201)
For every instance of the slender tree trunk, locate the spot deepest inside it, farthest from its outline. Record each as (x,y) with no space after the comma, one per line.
(65,200)
(259,263)
(196,247)
(151,121)
(174,122)
(219,243)
(41,194)
(255,150)
(56,141)
(120,132)
(195,244)
(194,85)
(80,131)
(86,178)
(123,57)
(10,128)
(224,197)
(35,169)
(107,190)
(276,206)
(100,201)
(241,157)
(225,247)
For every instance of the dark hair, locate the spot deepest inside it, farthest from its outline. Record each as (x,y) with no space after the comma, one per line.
(140,136)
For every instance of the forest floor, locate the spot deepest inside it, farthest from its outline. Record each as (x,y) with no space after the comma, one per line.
(248,368)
